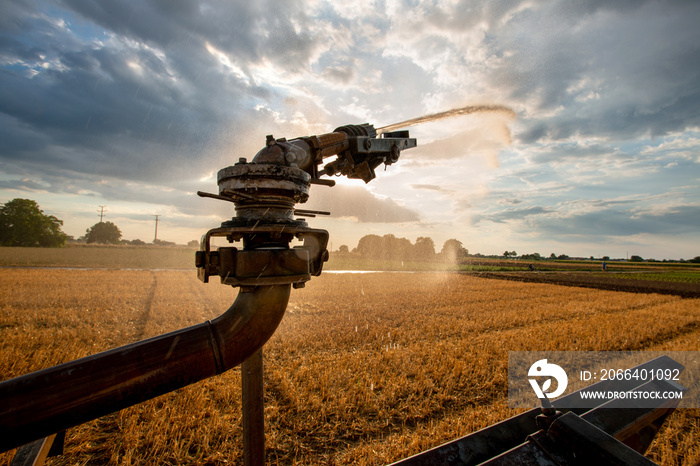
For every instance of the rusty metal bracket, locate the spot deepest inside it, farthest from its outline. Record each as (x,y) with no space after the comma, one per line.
(267,264)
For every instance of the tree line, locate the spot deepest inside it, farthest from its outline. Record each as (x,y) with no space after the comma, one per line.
(389,247)
(23,223)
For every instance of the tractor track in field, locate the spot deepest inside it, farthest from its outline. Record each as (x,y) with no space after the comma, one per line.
(608,282)
(147,306)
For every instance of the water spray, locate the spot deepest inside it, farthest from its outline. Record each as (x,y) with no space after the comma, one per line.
(455,112)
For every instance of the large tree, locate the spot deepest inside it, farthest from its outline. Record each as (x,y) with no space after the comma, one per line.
(452,250)
(103,232)
(23,223)
(424,248)
(389,247)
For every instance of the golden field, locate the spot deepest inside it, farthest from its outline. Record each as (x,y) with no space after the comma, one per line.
(364,369)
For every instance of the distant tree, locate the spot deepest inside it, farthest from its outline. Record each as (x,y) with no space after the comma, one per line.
(160,242)
(397,248)
(103,232)
(370,246)
(552,256)
(22,223)
(508,254)
(343,248)
(193,244)
(636,259)
(453,251)
(695,260)
(535,256)
(137,242)
(562,257)
(387,247)
(606,258)
(424,248)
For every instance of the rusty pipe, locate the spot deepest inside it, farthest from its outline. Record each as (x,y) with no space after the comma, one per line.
(35,405)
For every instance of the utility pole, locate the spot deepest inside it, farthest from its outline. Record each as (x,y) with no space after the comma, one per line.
(102,211)
(156,235)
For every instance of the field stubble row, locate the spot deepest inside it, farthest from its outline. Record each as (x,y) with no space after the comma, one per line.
(364,369)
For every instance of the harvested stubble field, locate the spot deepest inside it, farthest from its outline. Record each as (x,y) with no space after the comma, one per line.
(364,369)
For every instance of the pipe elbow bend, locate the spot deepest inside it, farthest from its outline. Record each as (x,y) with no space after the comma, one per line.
(247,325)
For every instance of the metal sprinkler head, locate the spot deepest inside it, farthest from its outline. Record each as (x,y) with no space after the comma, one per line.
(265,192)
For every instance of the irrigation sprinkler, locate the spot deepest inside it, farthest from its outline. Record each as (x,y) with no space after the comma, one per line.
(265,191)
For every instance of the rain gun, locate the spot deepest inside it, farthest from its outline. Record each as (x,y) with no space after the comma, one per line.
(37,406)
(265,192)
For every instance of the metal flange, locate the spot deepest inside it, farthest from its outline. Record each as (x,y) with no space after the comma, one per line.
(264,192)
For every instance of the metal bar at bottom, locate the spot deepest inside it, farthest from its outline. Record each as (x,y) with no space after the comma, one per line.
(253,410)
(34,453)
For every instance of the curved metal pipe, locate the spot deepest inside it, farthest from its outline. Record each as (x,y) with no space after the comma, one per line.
(35,405)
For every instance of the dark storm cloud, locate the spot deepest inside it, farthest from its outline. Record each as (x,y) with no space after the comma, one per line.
(601,218)
(25,184)
(610,69)
(618,222)
(248,30)
(128,89)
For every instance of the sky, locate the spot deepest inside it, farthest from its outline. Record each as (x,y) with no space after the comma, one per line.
(136,104)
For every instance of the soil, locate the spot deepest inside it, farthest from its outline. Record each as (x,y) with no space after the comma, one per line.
(607,282)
